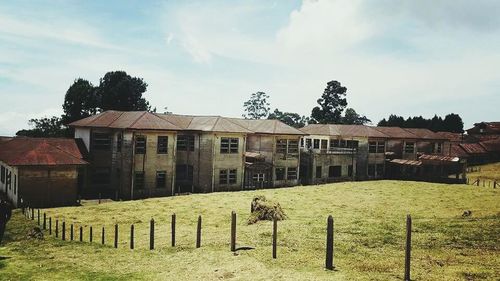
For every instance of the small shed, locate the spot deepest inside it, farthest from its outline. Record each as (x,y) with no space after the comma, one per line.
(44,172)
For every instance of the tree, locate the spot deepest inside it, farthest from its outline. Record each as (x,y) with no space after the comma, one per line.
(351,117)
(453,123)
(80,101)
(289,118)
(45,127)
(257,106)
(331,104)
(119,91)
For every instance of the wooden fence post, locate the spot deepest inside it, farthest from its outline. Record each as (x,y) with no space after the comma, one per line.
(275,235)
(408,248)
(233,231)
(477,182)
(329,244)
(198,233)
(81,233)
(132,236)
(116,235)
(495,184)
(38,215)
(102,238)
(152,234)
(50,226)
(32,214)
(57,228)
(71,232)
(90,234)
(63,230)
(99,198)
(173,229)
(44,221)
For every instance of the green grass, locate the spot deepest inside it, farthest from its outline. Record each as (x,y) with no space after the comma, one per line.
(488,172)
(369,236)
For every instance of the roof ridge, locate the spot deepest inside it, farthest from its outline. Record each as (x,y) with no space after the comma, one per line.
(229,119)
(136,120)
(121,113)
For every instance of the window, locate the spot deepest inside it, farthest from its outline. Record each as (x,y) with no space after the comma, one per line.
(140,145)
(380,170)
(308,143)
(334,171)
(229,145)
(9,180)
(101,176)
(439,147)
(301,142)
(2,176)
(280,146)
(371,170)
(372,147)
(324,144)
(119,142)
(409,147)
(161,179)
(316,144)
(318,172)
(293,146)
(350,170)
(139,180)
(15,184)
(184,172)
(185,143)
(162,145)
(280,174)
(227,176)
(352,144)
(259,177)
(334,143)
(381,147)
(291,173)
(101,141)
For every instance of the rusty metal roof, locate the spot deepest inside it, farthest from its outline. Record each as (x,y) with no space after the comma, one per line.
(267,126)
(473,148)
(41,151)
(205,123)
(457,151)
(492,145)
(422,133)
(453,137)
(406,162)
(396,132)
(140,120)
(438,158)
(343,130)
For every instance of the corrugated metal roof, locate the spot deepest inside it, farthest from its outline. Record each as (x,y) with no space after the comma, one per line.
(424,133)
(141,120)
(453,137)
(438,158)
(406,162)
(41,151)
(457,151)
(491,145)
(473,148)
(396,132)
(343,130)
(205,123)
(266,126)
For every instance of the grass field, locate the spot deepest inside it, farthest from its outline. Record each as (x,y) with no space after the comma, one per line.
(369,236)
(488,172)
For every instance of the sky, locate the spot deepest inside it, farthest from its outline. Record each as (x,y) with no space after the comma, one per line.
(421,57)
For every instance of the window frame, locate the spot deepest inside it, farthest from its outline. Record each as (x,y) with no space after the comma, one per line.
(282,173)
(142,176)
(294,173)
(162,146)
(101,141)
(409,144)
(332,171)
(319,172)
(140,144)
(229,145)
(185,143)
(161,176)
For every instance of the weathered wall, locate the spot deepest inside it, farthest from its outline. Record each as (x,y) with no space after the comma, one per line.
(325,160)
(84,134)
(229,161)
(10,189)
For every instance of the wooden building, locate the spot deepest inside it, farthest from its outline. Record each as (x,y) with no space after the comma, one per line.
(43,172)
(484,131)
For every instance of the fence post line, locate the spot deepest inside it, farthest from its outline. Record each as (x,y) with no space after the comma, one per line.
(173,229)
(50,225)
(329,244)
(132,236)
(81,233)
(63,230)
(99,198)
(198,233)
(408,248)
(32,214)
(44,221)
(57,228)
(90,234)
(38,215)
(116,235)
(275,235)
(233,231)
(102,238)
(152,234)
(71,232)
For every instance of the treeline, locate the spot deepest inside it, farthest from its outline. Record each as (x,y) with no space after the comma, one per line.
(450,123)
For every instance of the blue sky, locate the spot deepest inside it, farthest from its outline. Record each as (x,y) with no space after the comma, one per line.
(207,57)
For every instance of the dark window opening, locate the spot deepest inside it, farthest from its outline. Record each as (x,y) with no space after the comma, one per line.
(350,170)
(380,170)
(410,147)
(229,145)
(280,174)
(101,176)
(316,144)
(184,172)
(161,179)
(140,145)
(227,176)
(308,143)
(372,147)
(139,180)
(162,145)
(293,146)
(324,144)
(101,141)
(291,173)
(334,171)
(185,143)
(119,142)
(2,178)
(280,146)
(318,171)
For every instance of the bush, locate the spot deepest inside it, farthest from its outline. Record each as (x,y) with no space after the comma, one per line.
(262,209)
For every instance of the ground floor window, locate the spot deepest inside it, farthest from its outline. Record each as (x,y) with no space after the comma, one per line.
(350,170)
(291,173)
(371,170)
(259,177)
(380,170)
(334,171)
(161,179)
(139,180)
(318,171)
(227,176)
(101,175)
(280,174)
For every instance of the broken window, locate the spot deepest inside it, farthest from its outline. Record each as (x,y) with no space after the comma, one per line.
(280,173)
(281,146)
(293,146)
(161,179)
(101,141)
(162,145)
(316,144)
(139,180)
(140,145)
(291,173)
(185,143)
(229,145)
(334,171)
(409,147)
(308,143)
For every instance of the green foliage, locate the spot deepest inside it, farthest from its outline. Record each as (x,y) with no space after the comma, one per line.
(331,104)
(45,127)
(451,123)
(119,91)
(257,107)
(289,118)
(80,101)
(351,117)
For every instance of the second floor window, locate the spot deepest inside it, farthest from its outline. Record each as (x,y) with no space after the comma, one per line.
(324,144)
(140,145)
(316,144)
(162,145)
(409,147)
(227,176)
(280,174)
(101,141)
(281,146)
(439,147)
(119,142)
(185,143)
(376,147)
(229,145)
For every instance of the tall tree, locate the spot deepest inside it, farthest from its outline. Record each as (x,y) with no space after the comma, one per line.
(45,127)
(119,91)
(351,117)
(453,123)
(80,101)
(331,104)
(257,107)
(289,118)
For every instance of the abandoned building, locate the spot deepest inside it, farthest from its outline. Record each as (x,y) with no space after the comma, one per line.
(43,172)
(143,154)
(484,131)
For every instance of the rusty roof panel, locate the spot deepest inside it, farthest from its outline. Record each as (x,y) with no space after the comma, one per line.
(453,137)
(492,145)
(438,158)
(343,130)
(424,133)
(267,126)
(473,148)
(41,151)
(457,151)
(406,162)
(126,120)
(396,132)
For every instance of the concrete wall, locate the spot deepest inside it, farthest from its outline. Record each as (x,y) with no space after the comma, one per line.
(228,161)
(84,134)
(311,162)
(11,189)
